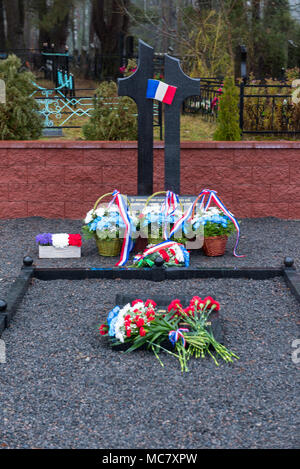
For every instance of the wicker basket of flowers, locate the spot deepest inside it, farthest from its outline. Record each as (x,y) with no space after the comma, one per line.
(106,226)
(155,222)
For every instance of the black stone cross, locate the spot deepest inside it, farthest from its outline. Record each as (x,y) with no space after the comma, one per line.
(186,87)
(135,86)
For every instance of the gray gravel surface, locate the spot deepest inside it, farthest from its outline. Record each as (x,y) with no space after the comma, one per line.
(264,241)
(63,387)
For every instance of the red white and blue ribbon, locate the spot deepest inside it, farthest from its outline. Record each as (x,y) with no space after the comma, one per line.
(127,242)
(168,208)
(156,248)
(174,335)
(212,197)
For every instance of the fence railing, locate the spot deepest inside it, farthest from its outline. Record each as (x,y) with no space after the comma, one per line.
(63,111)
(263,109)
(268,109)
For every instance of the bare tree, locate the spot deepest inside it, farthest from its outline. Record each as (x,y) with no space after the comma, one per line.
(110,22)
(14,10)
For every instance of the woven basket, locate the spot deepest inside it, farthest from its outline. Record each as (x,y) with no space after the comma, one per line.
(152,240)
(107,247)
(215,245)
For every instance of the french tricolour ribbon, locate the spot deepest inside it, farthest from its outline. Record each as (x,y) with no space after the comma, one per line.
(156,248)
(127,243)
(174,335)
(212,197)
(168,208)
(159,90)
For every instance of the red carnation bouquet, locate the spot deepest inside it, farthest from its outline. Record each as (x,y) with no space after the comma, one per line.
(186,329)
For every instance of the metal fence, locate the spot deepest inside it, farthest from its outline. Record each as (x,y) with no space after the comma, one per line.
(268,109)
(263,109)
(64,111)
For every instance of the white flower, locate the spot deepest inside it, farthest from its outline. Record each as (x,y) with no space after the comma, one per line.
(119,326)
(140,305)
(100,211)
(60,240)
(213,211)
(179,253)
(89,216)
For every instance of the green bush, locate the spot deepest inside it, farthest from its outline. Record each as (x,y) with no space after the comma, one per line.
(19,118)
(228,114)
(113,117)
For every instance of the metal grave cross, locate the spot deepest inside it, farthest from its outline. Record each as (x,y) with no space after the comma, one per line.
(135,86)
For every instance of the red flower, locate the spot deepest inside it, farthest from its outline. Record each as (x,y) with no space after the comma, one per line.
(140,322)
(75,240)
(150,302)
(175,304)
(135,302)
(142,332)
(127,317)
(150,312)
(151,318)
(103,329)
(190,311)
(164,255)
(128,332)
(195,299)
(172,252)
(176,261)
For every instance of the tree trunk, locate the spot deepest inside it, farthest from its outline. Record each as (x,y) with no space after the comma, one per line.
(2,30)
(58,33)
(15,23)
(111,24)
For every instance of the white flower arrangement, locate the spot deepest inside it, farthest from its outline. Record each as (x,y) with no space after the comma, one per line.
(107,223)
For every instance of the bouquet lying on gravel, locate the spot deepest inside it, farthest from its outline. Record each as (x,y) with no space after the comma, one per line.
(58,240)
(173,254)
(186,329)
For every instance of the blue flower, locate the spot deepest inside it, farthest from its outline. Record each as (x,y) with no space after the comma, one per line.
(112,327)
(186,256)
(112,314)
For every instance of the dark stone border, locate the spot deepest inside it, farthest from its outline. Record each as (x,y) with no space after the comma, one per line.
(156,274)
(9,306)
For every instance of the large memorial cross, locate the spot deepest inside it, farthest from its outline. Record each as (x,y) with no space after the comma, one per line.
(186,87)
(135,86)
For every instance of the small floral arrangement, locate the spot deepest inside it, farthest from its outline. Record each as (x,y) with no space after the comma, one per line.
(153,221)
(212,222)
(58,240)
(173,256)
(106,223)
(186,329)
